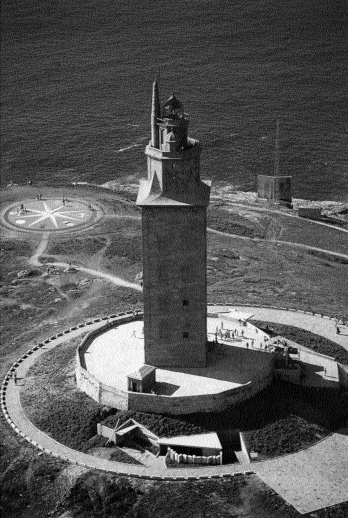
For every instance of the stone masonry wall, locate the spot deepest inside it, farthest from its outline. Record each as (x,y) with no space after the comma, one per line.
(199,403)
(174,288)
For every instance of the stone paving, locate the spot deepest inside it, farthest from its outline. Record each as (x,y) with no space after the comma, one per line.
(309,480)
(313,478)
(46,214)
(315,323)
(118,352)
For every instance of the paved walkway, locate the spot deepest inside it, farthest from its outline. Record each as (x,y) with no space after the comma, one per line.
(309,480)
(315,323)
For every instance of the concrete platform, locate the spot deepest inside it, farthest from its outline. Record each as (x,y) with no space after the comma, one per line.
(119,351)
(50,215)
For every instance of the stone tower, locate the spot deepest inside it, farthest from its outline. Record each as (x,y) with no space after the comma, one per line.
(174,200)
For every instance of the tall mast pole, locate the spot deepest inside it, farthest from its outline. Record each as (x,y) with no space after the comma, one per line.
(155,115)
(276,150)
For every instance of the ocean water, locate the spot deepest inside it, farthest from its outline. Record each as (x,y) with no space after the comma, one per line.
(77,78)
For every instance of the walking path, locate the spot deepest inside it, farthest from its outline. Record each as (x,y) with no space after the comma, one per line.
(309,480)
(108,276)
(316,324)
(34,259)
(286,214)
(280,242)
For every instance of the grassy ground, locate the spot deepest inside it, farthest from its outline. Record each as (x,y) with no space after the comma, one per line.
(163,426)
(28,481)
(53,402)
(245,496)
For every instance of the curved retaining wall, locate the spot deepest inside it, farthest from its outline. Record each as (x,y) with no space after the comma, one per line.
(343,370)
(160,404)
(100,392)
(198,403)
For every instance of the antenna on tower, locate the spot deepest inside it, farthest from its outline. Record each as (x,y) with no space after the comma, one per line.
(155,115)
(276,150)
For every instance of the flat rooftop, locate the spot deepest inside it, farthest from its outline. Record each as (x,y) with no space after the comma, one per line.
(201,440)
(116,353)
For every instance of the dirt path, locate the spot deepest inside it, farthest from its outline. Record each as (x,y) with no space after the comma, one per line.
(97,273)
(287,243)
(96,259)
(34,259)
(286,214)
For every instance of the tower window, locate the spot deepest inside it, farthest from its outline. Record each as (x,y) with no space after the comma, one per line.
(185,334)
(185,302)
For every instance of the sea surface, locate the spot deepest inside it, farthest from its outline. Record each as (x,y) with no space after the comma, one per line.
(77,78)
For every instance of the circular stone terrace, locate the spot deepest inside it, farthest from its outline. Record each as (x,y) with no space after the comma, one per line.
(236,368)
(46,214)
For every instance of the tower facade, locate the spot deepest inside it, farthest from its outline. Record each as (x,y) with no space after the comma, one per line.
(174,200)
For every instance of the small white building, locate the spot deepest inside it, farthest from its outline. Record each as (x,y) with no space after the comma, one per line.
(143,380)
(203,444)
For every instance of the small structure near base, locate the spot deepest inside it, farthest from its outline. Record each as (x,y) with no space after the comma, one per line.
(143,380)
(274,188)
(204,448)
(310,213)
(126,432)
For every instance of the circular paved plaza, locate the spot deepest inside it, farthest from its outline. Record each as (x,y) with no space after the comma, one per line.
(50,214)
(117,352)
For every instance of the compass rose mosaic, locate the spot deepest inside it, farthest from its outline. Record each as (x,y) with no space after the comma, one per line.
(50,214)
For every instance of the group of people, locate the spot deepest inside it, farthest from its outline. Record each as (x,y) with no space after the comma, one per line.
(230,334)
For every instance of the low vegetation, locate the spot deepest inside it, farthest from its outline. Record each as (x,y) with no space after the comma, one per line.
(28,482)
(102,495)
(55,405)
(160,425)
(286,435)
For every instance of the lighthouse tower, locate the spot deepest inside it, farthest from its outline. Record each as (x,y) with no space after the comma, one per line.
(173,199)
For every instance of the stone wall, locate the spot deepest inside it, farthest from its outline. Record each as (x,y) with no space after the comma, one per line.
(198,403)
(183,458)
(174,286)
(100,392)
(113,397)
(343,374)
(107,432)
